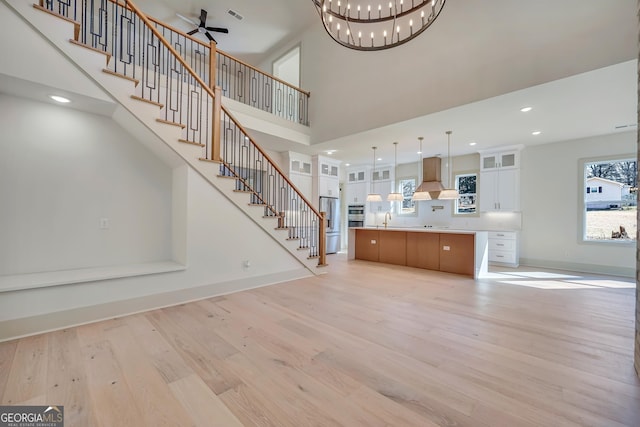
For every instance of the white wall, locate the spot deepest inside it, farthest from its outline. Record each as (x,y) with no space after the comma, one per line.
(25,52)
(61,171)
(352,91)
(429,212)
(552,187)
(216,240)
(551,196)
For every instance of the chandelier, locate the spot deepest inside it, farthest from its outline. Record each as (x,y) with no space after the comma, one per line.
(361,25)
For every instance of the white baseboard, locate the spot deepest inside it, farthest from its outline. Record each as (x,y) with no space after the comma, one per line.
(17,282)
(583,268)
(18,328)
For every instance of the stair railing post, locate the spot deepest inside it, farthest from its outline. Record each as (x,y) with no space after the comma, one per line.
(213,66)
(216,127)
(322,240)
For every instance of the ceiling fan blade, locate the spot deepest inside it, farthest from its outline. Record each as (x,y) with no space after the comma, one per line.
(192,32)
(218,30)
(203,17)
(184,18)
(209,37)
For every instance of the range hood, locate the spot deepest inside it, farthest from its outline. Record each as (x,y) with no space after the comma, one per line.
(431,172)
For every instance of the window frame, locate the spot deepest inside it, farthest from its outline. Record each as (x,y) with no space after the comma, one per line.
(454,205)
(582,202)
(399,181)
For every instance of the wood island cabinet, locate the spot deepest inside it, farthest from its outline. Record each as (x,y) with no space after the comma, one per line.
(393,247)
(457,253)
(423,250)
(451,252)
(367,245)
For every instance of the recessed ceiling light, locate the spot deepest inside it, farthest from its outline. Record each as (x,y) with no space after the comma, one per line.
(60,99)
(526,109)
(330,152)
(347,164)
(379,159)
(472,143)
(536,132)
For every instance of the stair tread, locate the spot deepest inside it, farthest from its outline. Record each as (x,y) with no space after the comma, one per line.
(186,141)
(91,48)
(209,160)
(148,101)
(122,76)
(168,122)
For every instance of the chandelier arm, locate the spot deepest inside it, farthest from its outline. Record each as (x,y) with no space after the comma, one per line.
(320,3)
(429,20)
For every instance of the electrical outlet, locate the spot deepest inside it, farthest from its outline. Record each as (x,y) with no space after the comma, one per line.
(104,223)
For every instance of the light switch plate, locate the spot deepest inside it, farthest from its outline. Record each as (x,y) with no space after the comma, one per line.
(446,248)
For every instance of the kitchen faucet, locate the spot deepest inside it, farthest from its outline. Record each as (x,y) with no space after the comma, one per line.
(385,219)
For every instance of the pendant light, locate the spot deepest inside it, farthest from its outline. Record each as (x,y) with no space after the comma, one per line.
(449,193)
(420,195)
(395,196)
(373,197)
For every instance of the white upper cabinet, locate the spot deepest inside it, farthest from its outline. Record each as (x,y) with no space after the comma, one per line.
(357,176)
(326,177)
(500,160)
(500,180)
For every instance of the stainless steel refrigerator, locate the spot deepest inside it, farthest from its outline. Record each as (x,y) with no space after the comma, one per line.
(331,205)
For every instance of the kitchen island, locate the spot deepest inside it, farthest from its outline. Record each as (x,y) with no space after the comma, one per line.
(453,251)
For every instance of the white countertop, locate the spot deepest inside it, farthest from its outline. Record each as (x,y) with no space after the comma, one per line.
(420,229)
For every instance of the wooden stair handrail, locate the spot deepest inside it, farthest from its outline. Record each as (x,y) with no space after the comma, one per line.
(274,164)
(148,22)
(131,6)
(222,52)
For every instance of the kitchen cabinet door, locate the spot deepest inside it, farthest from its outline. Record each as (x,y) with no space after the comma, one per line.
(423,250)
(367,245)
(393,247)
(457,253)
(355,193)
(499,190)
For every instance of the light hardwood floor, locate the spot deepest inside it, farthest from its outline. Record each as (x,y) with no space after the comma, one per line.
(364,345)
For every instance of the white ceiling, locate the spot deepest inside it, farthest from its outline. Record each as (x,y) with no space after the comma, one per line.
(592,103)
(265,24)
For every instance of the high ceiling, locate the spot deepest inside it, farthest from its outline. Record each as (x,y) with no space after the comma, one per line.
(264,24)
(498,56)
(582,82)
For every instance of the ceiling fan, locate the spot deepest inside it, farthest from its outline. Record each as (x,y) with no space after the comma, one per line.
(201,27)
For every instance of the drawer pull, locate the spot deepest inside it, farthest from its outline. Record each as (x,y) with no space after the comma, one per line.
(499,256)
(499,244)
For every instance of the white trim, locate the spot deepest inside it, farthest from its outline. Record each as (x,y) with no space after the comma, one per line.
(26,326)
(18,282)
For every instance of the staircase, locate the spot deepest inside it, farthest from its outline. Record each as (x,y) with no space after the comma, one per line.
(126,54)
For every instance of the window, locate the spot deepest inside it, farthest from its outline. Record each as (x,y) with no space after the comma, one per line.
(466,185)
(610,200)
(407,186)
